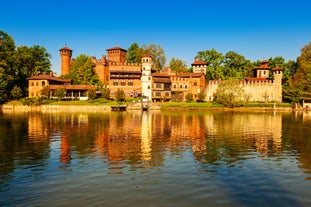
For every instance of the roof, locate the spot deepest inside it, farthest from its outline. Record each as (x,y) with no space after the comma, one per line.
(72,87)
(199,62)
(49,77)
(65,48)
(116,48)
(161,80)
(125,71)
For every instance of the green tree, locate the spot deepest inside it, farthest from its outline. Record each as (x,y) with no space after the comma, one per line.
(201,96)
(82,71)
(177,65)
(215,63)
(105,93)
(16,92)
(46,92)
(133,54)
(60,92)
(120,95)
(235,66)
(30,61)
(189,97)
(7,73)
(91,93)
(229,93)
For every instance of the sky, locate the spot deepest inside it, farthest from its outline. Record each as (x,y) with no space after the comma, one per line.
(255,29)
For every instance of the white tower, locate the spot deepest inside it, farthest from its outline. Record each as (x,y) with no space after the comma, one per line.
(146,79)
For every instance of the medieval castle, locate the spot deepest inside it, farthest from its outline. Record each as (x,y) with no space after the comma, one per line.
(143,80)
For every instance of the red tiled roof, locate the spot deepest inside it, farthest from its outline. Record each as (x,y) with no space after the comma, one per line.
(72,87)
(65,48)
(199,62)
(49,77)
(184,75)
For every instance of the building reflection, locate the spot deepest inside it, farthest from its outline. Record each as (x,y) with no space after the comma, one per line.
(142,139)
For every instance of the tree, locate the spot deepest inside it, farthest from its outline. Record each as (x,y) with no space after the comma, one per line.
(105,93)
(235,66)
(157,54)
(60,92)
(30,61)
(201,96)
(16,92)
(82,71)
(7,73)
(189,97)
(120,96)
(46,92)
(229,93)
(177,65)
(91,93)
(215,60)
(299,86)
(133,54)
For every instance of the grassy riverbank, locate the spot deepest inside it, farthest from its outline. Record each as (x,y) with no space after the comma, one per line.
(157,105)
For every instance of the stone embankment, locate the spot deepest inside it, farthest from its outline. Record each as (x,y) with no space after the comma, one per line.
(70,108)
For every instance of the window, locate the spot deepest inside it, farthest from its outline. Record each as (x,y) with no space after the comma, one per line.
(115,82)
(175,86)
(148,86)
(122,82)
(167,94)
(180,86)
(158,85)
(158,94)
(37,84)
(43,83)
(195,83)
(130,82)
(186,86)
(32,83)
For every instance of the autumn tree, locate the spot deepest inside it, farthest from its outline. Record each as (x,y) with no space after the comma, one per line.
(299,86)
(177,65)
(82,71)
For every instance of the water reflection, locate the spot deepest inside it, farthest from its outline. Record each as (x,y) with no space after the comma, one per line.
(231,145)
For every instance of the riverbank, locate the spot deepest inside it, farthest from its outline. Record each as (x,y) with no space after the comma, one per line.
(136,106)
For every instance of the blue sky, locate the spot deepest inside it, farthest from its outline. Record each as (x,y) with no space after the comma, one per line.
(254,29)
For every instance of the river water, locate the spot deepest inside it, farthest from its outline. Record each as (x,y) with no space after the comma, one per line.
(156,159)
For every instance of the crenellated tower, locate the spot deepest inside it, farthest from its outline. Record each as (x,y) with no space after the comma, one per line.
(65,55)
(146,78)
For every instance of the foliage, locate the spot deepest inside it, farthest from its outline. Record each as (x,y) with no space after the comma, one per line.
(82,71)
(177,65)
(46,92)
(157,53)
(120,95)
(91,93)
(299,85)
(201,96)
(7,73)
(215,60)
(177,96)
(189,97)
(105,93)
(60,92)
(229,93)
(19,63)
(133,54)
(16,92)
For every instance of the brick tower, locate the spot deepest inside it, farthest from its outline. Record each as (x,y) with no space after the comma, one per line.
(65,55)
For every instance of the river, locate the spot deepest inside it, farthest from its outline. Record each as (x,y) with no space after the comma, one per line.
(142,159)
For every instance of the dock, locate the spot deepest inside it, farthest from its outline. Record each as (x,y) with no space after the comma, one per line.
(118,108)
